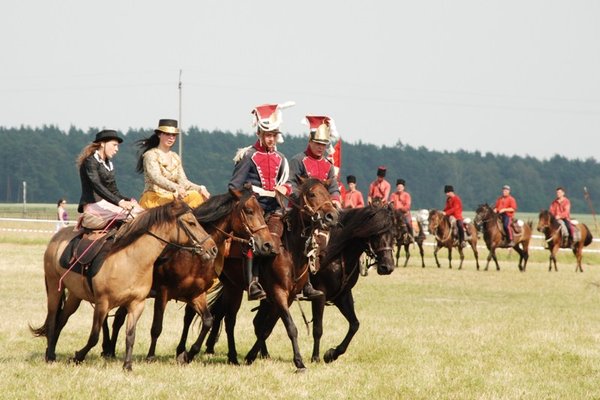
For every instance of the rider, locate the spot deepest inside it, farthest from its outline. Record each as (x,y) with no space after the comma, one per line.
(263,166)
(401,200)
(101,202)
(353,198)
(163,172)
(313,164)
(379,188)
(561,209)
(453,209)
(506,205)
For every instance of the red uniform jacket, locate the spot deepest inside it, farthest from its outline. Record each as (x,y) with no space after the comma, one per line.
(506,202)
(401,201)
(454,207)
(561,209)
(353,199)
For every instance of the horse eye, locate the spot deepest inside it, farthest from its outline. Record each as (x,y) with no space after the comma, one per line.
(248,211)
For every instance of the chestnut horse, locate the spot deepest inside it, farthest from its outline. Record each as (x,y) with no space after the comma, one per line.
(493,234)
(125,278)
(404,240)
(550,227)
(441,228)
(184,276)
(281,280)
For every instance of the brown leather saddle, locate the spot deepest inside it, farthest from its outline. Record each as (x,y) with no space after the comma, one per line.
(86,252)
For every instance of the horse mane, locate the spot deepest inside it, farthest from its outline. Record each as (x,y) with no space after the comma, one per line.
(357,223)
(217,207)
(133,230)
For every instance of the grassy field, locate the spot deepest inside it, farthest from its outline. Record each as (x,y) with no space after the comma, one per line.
(425,334)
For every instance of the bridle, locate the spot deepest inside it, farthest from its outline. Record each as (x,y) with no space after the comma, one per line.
(195,248)
(246,225)
(435,229)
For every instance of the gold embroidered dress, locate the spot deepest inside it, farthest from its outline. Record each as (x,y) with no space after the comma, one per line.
(163,179)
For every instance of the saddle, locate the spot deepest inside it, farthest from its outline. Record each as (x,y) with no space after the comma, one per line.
(86,252)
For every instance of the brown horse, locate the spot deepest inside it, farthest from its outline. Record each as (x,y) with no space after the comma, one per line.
(493,234)
(551,229)
(282,280)
(441,228)
(403,239)
(125,278)
(185,277)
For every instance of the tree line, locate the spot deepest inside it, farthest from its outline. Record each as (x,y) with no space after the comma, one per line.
(44,157)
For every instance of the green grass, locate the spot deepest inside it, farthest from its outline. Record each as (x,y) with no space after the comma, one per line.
(425,334)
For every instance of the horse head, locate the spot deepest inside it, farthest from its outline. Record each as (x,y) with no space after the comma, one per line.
(315,202)
(199,240)
(248,220)
(434,219)
(545,220)
(483,213)
(380,247)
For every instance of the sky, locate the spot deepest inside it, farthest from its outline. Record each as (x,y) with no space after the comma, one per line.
(513,77)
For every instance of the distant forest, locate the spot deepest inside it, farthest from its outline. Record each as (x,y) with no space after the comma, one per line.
(45,159)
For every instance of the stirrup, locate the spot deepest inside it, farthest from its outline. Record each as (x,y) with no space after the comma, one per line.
(255,291)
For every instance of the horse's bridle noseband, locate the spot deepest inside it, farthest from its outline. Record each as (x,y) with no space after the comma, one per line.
(196,246)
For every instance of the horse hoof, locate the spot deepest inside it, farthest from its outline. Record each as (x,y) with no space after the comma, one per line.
(108,355)
(234,361)
(182,358)
(329,356)
(300,370)
(315,359)
(127,367)
(151,359)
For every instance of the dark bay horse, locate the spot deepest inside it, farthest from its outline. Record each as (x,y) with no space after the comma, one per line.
(185,277)
(403,238)
(493,235)
(281,280)
(367,229)
(125,278)
(551,229)
(441,228)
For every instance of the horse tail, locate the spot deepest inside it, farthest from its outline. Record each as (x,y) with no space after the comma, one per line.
(588,236)
(214,294)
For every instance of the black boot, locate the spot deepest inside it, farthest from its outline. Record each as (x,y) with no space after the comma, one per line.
(255,291)
(310,293)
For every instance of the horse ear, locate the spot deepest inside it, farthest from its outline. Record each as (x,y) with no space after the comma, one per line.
(301,179)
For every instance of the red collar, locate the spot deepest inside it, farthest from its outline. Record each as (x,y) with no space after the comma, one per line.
(258,146)
(309,153)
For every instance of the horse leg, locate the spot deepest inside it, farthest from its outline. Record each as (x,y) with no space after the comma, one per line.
(495,259)
(218,314)
(233,307)
(462,257)
(475,253)
(263,322)
(188,318)
(345,304)
(70,305)
(450,256)
(398,245)
(318,308)
(420,244)
(435,251)
(578,252)
(201,308)
(407,252)
(134,310)
(160,304)
(553,256)
(109,342)
(100,313)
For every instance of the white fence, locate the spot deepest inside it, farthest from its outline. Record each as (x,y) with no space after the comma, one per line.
(46,221)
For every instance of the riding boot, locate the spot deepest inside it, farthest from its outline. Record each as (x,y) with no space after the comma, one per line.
(255,290)
(309,292)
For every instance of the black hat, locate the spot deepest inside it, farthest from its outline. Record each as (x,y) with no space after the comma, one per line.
(381,171)
(400,182)
(448,188)
(351,179)
(167,126)
(106,135)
